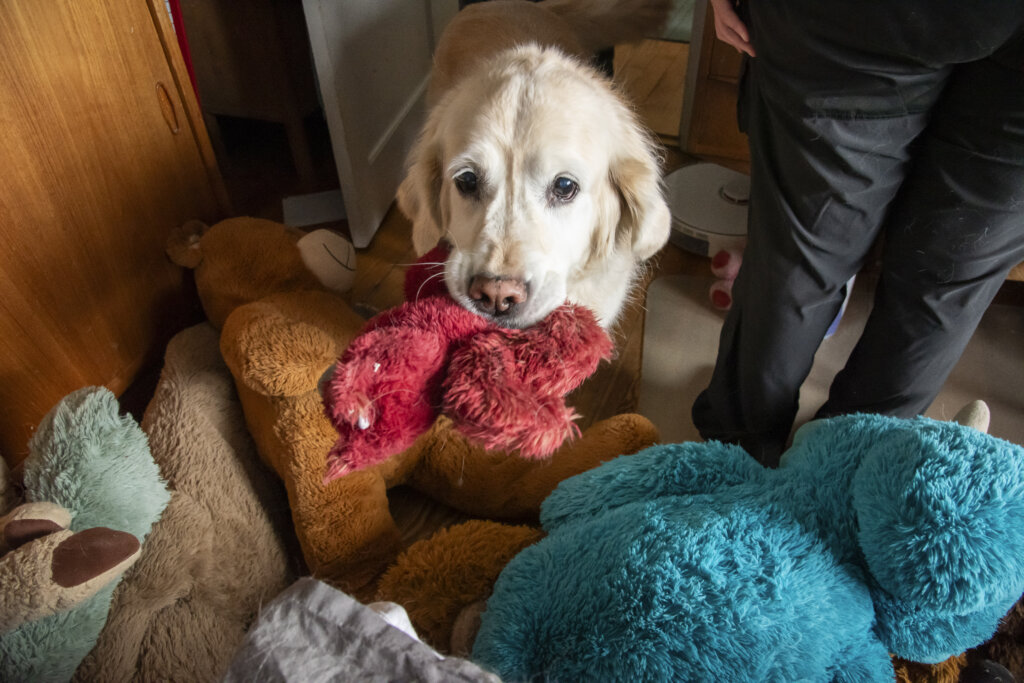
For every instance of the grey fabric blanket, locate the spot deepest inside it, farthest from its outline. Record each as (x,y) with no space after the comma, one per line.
(312,632)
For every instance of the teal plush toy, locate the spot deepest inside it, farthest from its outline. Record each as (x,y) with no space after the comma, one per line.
(92,494)
(691,562)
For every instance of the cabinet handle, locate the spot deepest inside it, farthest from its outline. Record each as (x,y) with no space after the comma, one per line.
(167,108)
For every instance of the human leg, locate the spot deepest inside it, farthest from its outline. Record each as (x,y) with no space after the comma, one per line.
(830,145)
(804,243)
(956,229)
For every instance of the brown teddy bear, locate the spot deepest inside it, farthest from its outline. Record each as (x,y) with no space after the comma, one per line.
(278,297)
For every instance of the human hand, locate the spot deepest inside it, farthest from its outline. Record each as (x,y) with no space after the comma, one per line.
(729,28)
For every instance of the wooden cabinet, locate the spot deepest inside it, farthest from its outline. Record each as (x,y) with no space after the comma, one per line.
(103,153)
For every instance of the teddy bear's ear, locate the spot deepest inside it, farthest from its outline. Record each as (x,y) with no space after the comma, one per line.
(183,244)
(330,257)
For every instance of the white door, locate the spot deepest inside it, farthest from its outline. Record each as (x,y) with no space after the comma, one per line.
(372,60)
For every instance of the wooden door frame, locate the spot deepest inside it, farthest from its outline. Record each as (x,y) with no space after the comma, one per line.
(708,126)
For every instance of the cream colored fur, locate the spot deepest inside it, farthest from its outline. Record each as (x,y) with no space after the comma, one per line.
(515,105)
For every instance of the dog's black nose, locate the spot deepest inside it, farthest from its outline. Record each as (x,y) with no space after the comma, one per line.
(496,295)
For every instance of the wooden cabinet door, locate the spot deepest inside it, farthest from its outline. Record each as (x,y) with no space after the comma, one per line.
(103,153)
(708,127)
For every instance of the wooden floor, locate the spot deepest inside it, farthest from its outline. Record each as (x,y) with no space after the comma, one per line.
(652,73)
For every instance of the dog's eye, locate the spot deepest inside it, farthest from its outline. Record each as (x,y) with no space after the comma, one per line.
(564,189)
(466,183)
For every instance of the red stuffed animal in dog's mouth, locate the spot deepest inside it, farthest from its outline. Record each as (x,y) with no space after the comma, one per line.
(502,388)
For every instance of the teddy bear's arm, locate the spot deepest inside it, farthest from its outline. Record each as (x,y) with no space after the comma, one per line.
(270,347)
(665,470)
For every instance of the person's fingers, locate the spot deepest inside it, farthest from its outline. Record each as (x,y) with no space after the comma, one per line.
(729,28)
(737,40)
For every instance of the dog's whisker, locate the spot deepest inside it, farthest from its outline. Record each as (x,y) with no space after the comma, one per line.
(420,263)
(424,283)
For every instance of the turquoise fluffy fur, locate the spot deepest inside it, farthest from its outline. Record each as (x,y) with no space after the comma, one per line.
(96,463)
(690,562)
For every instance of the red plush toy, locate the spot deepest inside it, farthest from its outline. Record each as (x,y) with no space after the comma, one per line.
(502,388)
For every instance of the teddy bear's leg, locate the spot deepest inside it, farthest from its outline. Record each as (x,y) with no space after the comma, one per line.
(504,486)
(345,528)
(438,578)
(947,671)
(347,534)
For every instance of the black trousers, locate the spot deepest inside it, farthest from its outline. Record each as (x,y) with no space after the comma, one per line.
(899,118)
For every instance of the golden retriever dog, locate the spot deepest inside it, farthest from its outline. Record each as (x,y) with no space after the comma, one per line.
(531,166)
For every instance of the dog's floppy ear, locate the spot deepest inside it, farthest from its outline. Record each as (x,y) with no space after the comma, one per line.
(419,195)
(644,220)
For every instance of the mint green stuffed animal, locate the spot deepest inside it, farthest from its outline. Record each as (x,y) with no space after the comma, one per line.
(92,494)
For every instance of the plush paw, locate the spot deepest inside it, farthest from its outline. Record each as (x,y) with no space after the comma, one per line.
(383,394)
(48,569)
(31,521)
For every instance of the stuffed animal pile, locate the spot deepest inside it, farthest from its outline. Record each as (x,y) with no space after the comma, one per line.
(876,536)
(282,329)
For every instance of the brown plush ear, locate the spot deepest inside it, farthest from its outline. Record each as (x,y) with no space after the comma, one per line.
(644,221)
(419,195)
(183,244)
